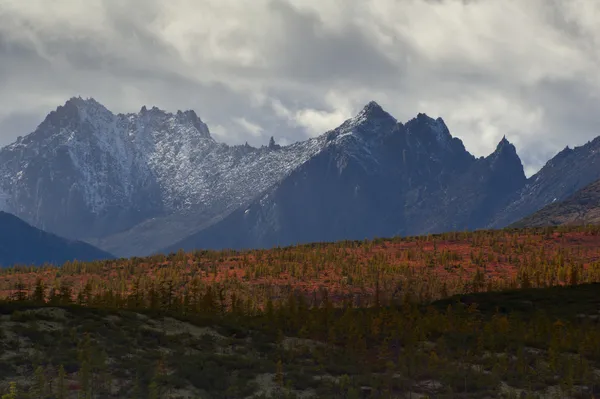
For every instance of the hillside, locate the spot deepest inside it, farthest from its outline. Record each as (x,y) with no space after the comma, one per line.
(422,268)
(23,244)
(456,315)
(581,208)
(461,347)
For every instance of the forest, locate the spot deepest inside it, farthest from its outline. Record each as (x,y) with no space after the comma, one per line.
(486,314)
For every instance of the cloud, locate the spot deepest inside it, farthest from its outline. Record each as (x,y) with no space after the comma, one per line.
(313,121)
(529,70)
(251,128)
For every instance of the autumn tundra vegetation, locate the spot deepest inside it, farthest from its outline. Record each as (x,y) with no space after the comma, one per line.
(486,314)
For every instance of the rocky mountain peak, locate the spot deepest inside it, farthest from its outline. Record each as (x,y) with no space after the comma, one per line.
(505,149)
(506,161)
(434,135)
(73,114)
(426,124)
(504,144)
(371,122)
(272,144)
(373,110)
(372,114)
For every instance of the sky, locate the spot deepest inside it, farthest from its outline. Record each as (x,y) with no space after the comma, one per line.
(293,69)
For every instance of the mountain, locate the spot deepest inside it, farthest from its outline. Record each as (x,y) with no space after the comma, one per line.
(133,184)
(21,243)
(567,172)
(583,207)
(374,177)
(89,174)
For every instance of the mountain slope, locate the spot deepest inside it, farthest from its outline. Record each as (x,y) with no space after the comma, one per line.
(570,170)
(87,173)
(375,177)
(21,243)
(135,183)
(583,207)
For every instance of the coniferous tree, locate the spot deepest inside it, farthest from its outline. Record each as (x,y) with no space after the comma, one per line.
(39,292)
(61,384)
(38,389)
(12,391)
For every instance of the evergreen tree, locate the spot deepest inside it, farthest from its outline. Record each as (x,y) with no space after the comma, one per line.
(38,389)
(61,385)
(39,292)
(12,391)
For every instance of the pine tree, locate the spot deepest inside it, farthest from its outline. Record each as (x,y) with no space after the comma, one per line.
(65,293)
(39,292)
(38,389)
(279,374)
(12,391)
(136,392)
(61,386)
(85,368)
(20,294)
(153,389)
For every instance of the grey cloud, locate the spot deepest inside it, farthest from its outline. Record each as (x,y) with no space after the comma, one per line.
(143,55)
(312,55)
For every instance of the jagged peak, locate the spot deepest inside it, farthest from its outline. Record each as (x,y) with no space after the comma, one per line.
(78,100)
(437,126)
(505,145)
(75,110)
(505,155)
(370,111)
(369,123)
(371,107)
(80,103)
(84,105)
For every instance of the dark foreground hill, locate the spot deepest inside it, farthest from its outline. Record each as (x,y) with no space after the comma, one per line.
(520,342)
(581,208)
(21,243)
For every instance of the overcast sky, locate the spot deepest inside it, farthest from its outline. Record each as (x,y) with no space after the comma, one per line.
(527,69)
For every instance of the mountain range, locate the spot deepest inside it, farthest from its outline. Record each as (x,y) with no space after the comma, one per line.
(153,181)
(581,208)
(21,243)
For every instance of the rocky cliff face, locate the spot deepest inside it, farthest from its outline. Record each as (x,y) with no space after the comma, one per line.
(375,177)
(87,173)
(137,183)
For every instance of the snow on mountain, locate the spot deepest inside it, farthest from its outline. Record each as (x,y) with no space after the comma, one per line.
(148,179)
(3,201)
(120,163)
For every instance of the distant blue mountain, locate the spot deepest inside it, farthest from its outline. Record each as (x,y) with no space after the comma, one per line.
(21,243)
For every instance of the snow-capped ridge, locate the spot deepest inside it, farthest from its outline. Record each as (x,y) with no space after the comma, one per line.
(369,124)
(153,159)
(371,113)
